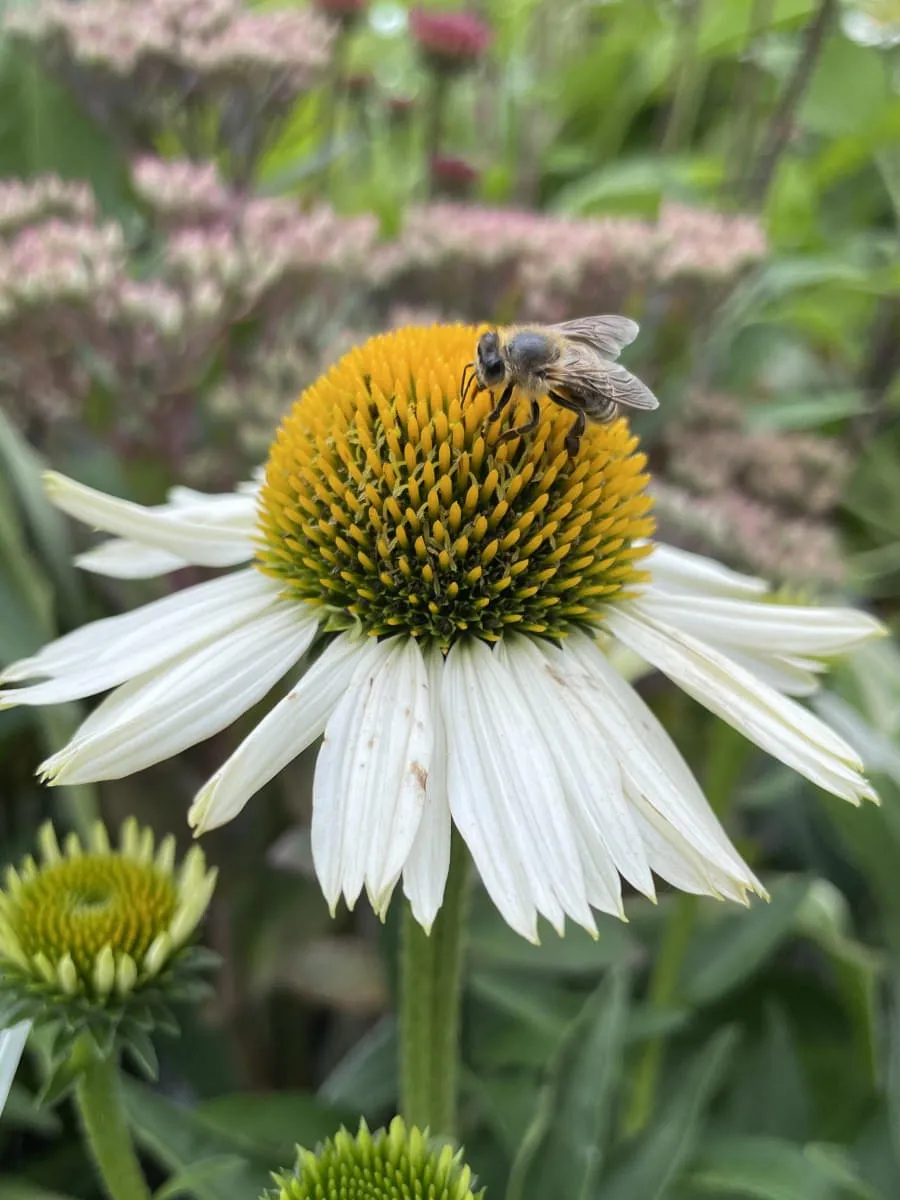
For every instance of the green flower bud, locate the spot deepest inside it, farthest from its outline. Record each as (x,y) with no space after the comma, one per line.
(95,940)
(392,1164)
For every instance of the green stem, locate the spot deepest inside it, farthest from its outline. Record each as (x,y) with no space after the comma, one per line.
(724,763)
(430,995)
(106,1130)
(691,78)
(434,132)
(663,989)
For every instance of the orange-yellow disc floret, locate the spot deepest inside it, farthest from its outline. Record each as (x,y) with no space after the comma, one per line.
(392,505)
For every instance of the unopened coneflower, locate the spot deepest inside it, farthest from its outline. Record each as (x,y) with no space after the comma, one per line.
(95,941)
(449,41)
(398,1163)
(450,598)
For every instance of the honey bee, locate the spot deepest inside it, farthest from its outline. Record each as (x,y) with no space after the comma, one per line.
(570,363)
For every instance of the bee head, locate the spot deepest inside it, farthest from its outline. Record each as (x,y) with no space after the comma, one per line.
(490,366)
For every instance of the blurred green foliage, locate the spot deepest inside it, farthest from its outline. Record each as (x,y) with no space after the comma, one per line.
(770,1062)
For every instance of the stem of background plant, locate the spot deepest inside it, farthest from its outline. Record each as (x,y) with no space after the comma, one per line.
(435,129)
(430,995)
(101,1110)
(778,134)
(691,78)
(333,93)
(724,764)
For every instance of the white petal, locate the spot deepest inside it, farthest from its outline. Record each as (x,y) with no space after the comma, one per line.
(107,652)
(186,701)
(776,723)
(117,558)
(239,506)
(506,796)
(369,787)
(293,724)
(202,536)
(681,571)
(674,859)
(592,782)
(790,629)
(12,1045)
(650,762)
(793,676)
(426,867)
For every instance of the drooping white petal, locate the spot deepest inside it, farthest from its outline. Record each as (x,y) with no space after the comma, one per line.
(606,835)
(793,676)
(12,1046)
(505,794)
(207,536)
(789,629)
(117,558)
(293,724)
(185,701)
(776,723)
(107,652)
(650,763)
(674,859)
(428,862)
(369,787)
(682,571)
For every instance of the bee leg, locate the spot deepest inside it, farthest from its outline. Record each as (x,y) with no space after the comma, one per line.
(576,431)
(531,423)
(573,437)
(494,414)
(466,381)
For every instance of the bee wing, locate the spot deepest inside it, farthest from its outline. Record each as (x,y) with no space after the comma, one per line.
(607,335)
(582,371)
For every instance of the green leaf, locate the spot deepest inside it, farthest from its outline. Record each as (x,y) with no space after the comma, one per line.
(59,1082)
(23,469)
(824,918)
(194,1180)
(271,1125)
(140,1048)
(732,951)
(804,411)
(22,1110)
(770,1169)
(659,1155)
(492,943)
(365,1080)
(180,1139)
(21,1189)
(893,1069)
(848,91)
(562,1152)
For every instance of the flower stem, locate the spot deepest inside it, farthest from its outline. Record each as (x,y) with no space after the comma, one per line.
(724,763)
(430,995)
(106,1131)
(663,988)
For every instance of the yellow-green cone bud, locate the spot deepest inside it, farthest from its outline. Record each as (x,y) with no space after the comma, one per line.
(392,1164)
(96,939)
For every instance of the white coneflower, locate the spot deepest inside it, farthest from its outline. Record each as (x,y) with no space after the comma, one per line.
(452,599)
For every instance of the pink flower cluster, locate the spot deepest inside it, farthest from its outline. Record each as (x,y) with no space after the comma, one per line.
(78,311)
(481,261)
(762,501)
(181,67)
